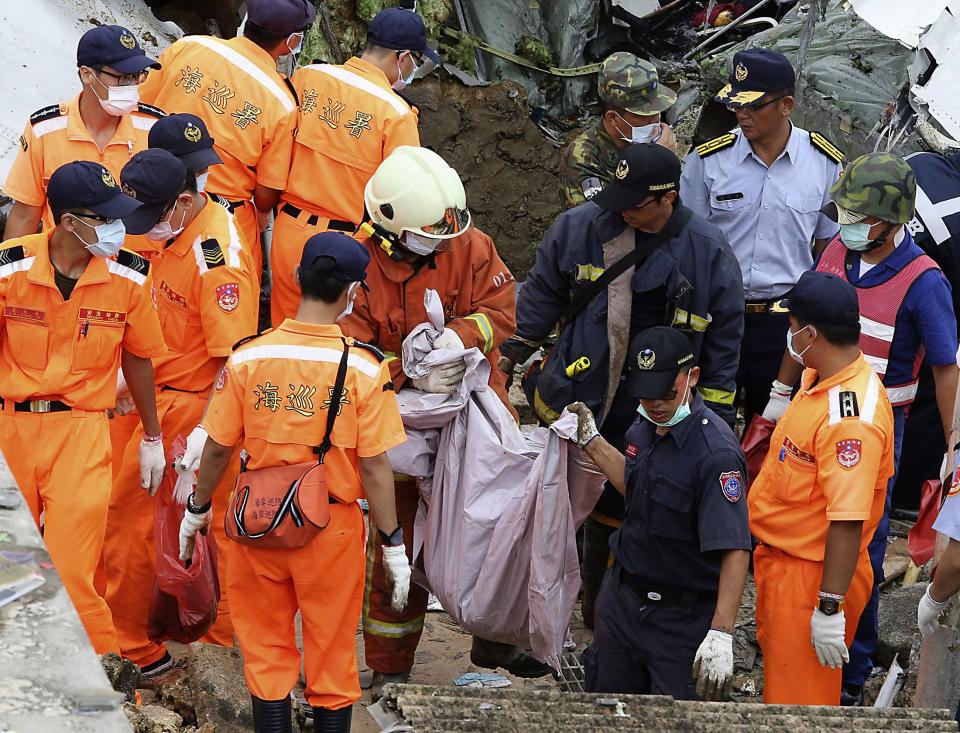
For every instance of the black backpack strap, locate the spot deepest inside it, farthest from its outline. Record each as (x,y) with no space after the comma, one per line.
(673,228)
(335,400)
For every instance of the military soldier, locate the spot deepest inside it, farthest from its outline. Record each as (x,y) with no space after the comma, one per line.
(764,184)
(633,99)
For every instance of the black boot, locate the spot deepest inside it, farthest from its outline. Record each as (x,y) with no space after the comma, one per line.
(332,721)
(272,716)
(493,654)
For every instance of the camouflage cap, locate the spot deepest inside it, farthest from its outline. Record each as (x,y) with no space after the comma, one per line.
(631,84)
(881,185)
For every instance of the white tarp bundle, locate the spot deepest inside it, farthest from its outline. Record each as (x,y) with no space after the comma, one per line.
(500,510)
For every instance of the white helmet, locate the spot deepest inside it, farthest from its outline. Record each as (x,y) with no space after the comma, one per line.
(414,190)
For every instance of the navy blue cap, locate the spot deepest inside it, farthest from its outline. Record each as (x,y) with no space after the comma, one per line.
(186,136)
(654,359)
(86,185)
(154,177)
(343,257)
(281,17)
(644,169)
(401,30)
(113,46)
(822,298)
(756,73)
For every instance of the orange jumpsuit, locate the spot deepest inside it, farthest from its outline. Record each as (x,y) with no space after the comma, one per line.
(477,291)
(51,349)
(830,457)
(273,400)
(57,135)
(350,120)
(207,299)
(248,107)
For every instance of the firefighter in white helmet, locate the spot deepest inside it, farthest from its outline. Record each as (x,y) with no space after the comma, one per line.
(420,237)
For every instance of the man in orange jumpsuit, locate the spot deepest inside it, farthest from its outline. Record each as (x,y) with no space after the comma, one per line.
(420,237)
(207,299)
(75,308)
(818,499)
(350,120)
(105,124)
(250,108)
(273,398)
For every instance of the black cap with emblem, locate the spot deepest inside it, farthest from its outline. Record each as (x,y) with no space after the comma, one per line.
(655,358)
(644,169)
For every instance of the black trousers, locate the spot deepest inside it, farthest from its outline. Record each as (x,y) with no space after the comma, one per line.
(923,445)
(764,341)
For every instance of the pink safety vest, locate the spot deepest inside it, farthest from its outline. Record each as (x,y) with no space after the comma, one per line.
(879,306)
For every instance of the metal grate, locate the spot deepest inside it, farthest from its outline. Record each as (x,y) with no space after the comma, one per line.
(571,672)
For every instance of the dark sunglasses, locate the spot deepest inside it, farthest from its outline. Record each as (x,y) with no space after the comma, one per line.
(756,107)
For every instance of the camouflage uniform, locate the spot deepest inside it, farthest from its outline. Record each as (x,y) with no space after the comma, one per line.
(876,184)
(625,83)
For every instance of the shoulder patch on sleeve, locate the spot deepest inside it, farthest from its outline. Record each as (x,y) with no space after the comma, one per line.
(716,145)
(47,113)
(9,255)
(731,484)
(134,261)
(379,355)
(245,339)
(149,109)
(848,404)
(826,147)
(212,253)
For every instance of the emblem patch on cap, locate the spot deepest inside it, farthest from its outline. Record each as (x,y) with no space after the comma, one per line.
(622,171)
(646,359)
(848,452)
(128,41)
(107,178)
(129,190)
(192,133)
(228,296)
(740,73)
(731,483)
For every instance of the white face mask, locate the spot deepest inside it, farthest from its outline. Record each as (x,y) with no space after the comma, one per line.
(351,295)
(646,134)
(419,245)
(109,238)
(202,181)
(120,101)
(299,47)
(797,356)
(402,83)
(162,230)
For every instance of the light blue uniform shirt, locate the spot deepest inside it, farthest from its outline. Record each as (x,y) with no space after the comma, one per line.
(770,215)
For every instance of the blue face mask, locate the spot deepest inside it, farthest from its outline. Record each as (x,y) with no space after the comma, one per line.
(856,237)
(682,413)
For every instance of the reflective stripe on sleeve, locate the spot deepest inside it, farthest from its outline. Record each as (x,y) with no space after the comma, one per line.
(485,328)
(717,396)
(696,322)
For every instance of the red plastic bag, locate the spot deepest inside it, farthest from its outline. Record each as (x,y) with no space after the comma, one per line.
(756,444)
(922,539)
(184,603)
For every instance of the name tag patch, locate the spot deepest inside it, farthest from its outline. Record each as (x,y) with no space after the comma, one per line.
(172,295)
(24,314)
(794,450)
(95,314)
(632,450)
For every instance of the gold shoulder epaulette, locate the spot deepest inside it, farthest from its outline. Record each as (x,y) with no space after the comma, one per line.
(826,147)
(716,145)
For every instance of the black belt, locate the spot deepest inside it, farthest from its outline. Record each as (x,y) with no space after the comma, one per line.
(662,595)
(334,224)
(765,306)
(38,406)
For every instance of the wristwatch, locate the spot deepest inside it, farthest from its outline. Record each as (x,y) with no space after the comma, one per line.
(194,509)
(393,539)
(830,605)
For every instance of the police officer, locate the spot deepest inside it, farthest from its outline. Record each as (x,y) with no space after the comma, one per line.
(763,184)
(633,99)
(670,600)
(681,272)
(186,136)
(323,579)
(105,124)
(819,498)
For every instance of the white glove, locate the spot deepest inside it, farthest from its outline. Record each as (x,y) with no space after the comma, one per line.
(713,666)
(449,339)
(125,404)
(443,379)
(397,568)
(189,526)
(190,460)
(152,464)
(928,613)
(827,634)
(778,402)
(586,423)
